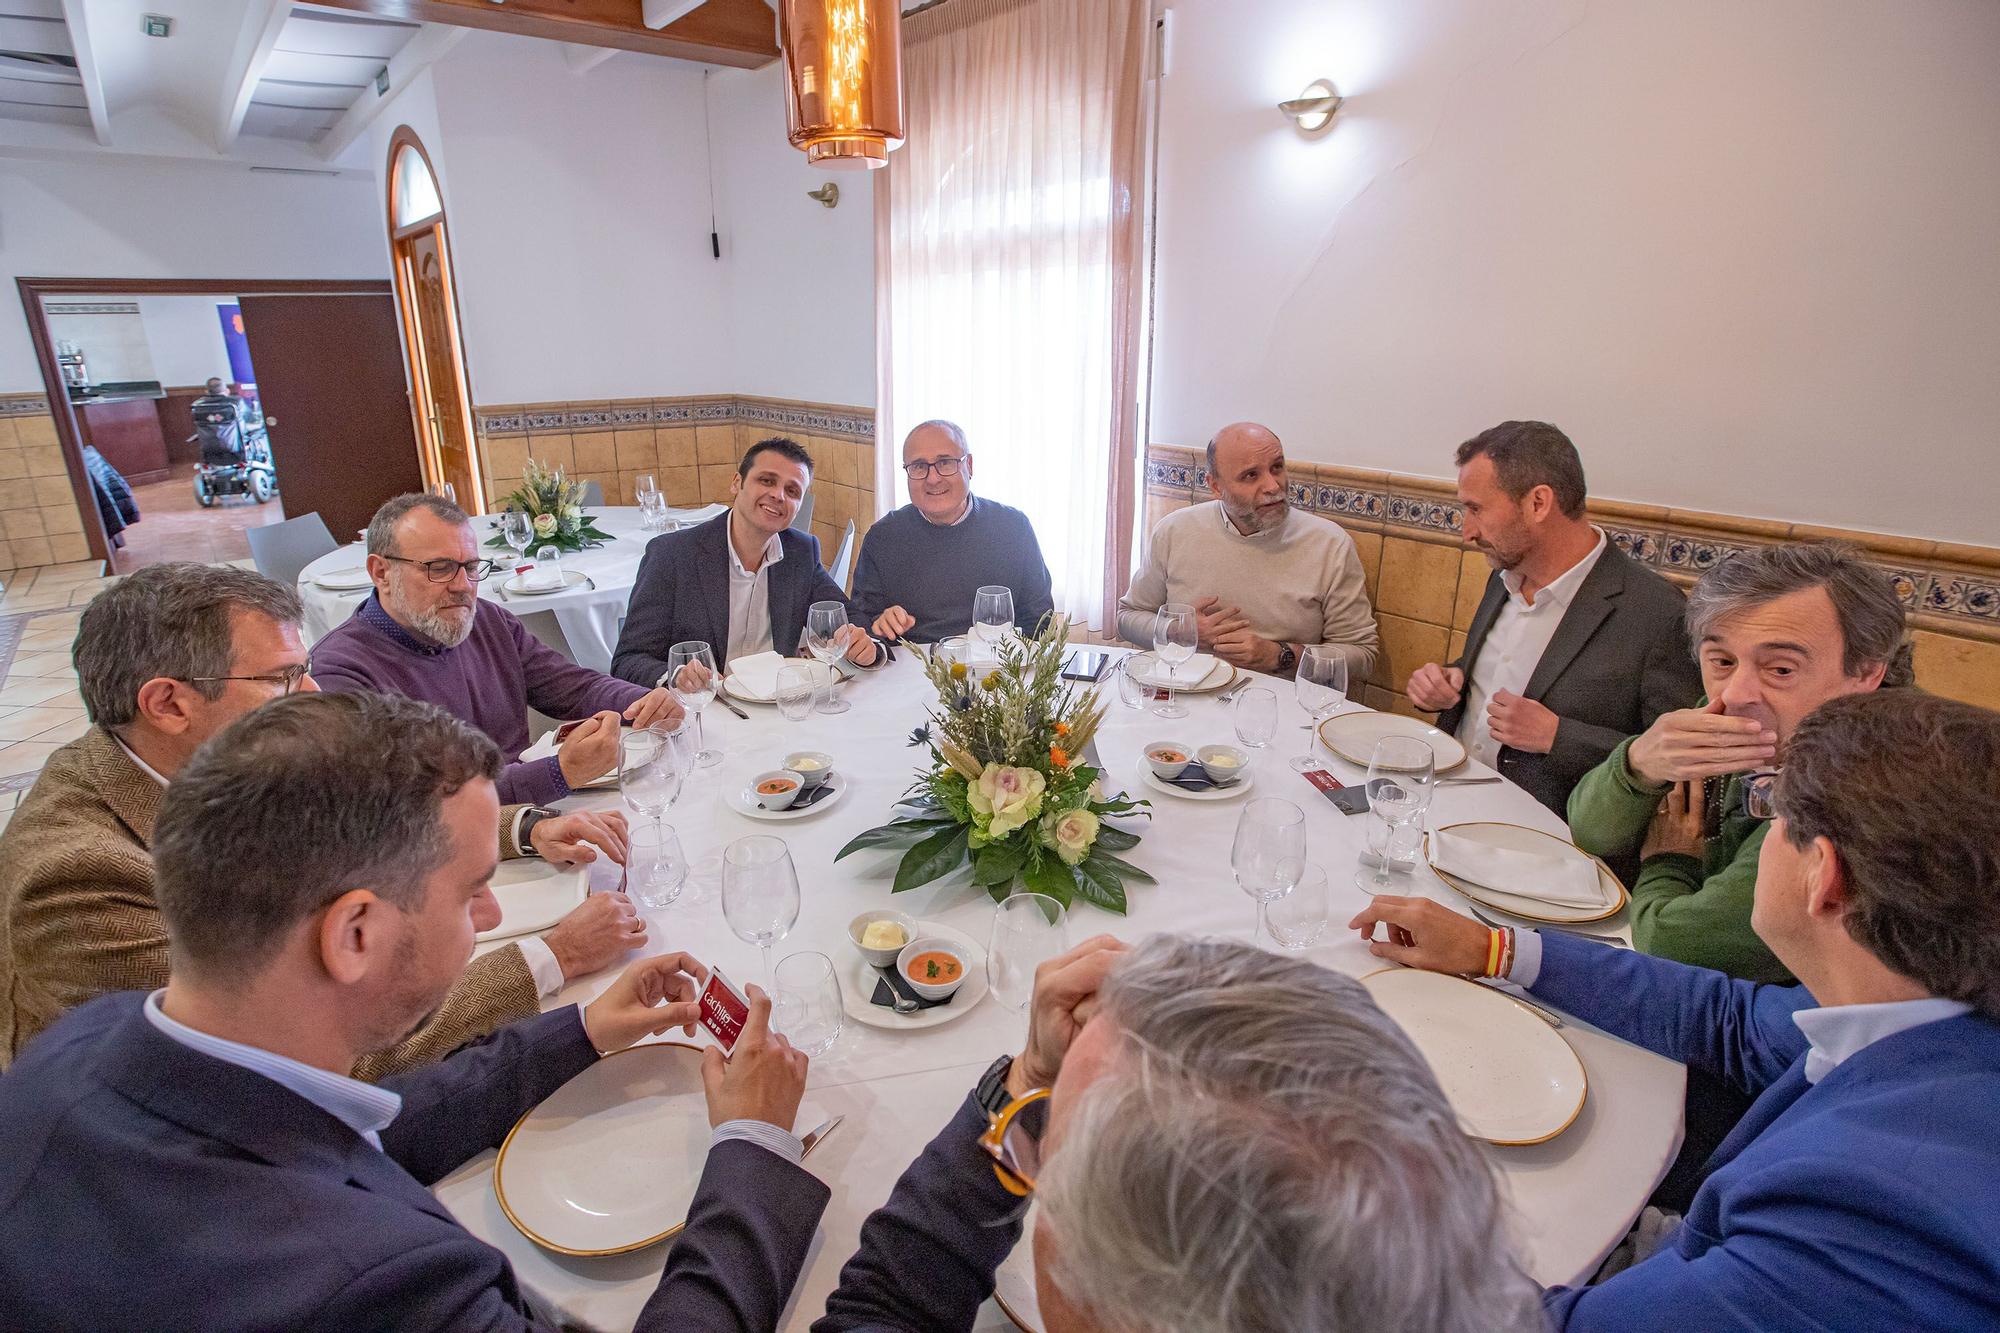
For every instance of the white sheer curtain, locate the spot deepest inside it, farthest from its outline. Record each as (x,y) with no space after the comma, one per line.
(1008,268)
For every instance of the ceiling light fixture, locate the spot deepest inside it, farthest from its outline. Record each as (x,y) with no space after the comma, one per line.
(1314,108)
(843,80)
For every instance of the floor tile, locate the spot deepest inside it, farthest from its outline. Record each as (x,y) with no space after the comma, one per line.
(8,799)
(21,691)
(24,757)
(40,664)
(22,724)
(67,730)
(5,815)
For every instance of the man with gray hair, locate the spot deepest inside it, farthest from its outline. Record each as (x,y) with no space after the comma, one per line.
(1777,631)
(1222,1141)
(923,564)
(165,659)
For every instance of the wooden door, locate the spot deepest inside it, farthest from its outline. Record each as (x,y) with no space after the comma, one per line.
(330,374)
(435,355)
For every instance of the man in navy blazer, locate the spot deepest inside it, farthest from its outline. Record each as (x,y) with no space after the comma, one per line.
(197,1158)
(741,582)
(1862,1189)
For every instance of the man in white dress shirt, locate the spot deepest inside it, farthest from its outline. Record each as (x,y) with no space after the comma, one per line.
(1575,645)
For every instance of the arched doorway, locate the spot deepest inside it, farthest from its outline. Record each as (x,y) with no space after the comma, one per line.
(429,304)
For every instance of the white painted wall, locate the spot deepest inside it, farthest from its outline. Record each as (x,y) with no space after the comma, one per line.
(185,333)
(125,218)
(1748,256)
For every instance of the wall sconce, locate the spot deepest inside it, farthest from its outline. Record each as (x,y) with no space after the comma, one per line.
(828,194)
(1314,108)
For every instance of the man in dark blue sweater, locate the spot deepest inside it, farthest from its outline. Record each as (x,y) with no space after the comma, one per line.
(921,565)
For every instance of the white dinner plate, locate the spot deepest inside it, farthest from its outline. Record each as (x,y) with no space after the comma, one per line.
(744,802)
(1229,793)
(1511,1077)
(343,580)
(611,1160)
(545,748)
(735,688)
(1352,736)
(534,895)
(572,579)
(1193,677)
(1520,838)
(859,984)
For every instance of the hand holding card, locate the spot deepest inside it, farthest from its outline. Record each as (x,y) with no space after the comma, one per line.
(725,1011)
(762,1078)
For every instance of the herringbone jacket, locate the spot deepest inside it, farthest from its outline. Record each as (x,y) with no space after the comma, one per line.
(78,919)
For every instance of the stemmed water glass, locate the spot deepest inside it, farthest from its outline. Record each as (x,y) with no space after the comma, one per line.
(1028,930)
(805,1002)
(692,678)
(1402,777)
(646,494)
(992,618)
(760,894)
(824,621)
(1269,854)
(1321,684)
(648,778)
(1174,637)
(517,529)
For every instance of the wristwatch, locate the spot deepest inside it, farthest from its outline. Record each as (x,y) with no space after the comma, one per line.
(530,817)
(992,1094)
(1288,657)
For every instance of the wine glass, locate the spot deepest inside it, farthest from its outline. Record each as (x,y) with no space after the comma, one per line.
(643,486)
(1321,684)
(648,781)
(1269,854)
(1402,776)
(805,1002)
(1174,638)
(1256,717)
(798,687)
(760,894)
(1300,915)
(1028,930)
(517,529)
(992,617)
(824,621)
(655,866)
(692,678)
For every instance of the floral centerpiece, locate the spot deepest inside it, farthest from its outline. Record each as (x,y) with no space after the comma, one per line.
(1007,789)
(556,505)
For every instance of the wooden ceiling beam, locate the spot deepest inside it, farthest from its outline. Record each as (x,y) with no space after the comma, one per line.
(742,33)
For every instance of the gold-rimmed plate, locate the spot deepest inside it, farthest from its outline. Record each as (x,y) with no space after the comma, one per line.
(1219,675)
(1521,838)
(534,895)
(1511,1077)
(1353,736)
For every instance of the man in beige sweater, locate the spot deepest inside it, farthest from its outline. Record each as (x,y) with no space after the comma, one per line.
(166,659)
(1264,580)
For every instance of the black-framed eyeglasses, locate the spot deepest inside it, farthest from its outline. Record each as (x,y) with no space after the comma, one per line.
(290,677)
(1759,794)
(923,467)
(440,571)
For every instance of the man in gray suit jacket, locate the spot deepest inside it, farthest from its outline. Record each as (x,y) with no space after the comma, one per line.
(1575,645)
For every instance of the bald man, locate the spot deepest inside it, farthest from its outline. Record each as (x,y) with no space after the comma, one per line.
(1264,581)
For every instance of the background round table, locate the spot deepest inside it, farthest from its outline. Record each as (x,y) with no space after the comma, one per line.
(580,623)
(1573,1197)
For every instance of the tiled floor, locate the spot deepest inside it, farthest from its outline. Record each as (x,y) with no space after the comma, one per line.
(173,526)
(40,709)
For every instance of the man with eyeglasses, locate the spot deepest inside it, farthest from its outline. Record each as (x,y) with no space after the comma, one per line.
(1861,1190)
(166,659)
(427,634)
(922,564)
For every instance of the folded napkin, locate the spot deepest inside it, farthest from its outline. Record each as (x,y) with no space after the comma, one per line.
(1186,676)
(543,576)
(758,673)
(888,980)
(1568,880)
(1195,778)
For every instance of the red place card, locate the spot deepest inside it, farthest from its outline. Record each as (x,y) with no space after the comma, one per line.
(724,1010)
(1350,800)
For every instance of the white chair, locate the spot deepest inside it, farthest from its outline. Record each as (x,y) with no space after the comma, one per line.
(804,522)
(844,557)
(593,493)
(283,550)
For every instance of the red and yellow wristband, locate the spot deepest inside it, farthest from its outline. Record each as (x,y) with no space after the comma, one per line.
(1499,951)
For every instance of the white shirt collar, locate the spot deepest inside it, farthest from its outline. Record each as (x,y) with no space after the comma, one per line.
(1844,1030)
(774,551)
(133,755)
(1561,588)
(362,1107)
(963,514)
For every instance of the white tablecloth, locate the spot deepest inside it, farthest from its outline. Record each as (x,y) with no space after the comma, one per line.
(581,623)
(1574,1196)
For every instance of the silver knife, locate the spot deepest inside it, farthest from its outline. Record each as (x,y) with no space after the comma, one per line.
(723,699)
(814,1139)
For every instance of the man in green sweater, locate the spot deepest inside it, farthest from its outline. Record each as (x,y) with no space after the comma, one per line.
(1778,632)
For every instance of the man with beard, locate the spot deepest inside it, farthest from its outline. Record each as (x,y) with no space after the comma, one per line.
(425,633)
(1264,582)
(1575,645)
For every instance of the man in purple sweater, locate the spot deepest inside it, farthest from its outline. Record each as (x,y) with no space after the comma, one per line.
(425,634)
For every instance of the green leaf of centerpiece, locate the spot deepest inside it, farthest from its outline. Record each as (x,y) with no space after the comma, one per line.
(998,863)
(1115,839)
(901,833)
(1125,869)
(1052,877)
(1099,884)
(935,856)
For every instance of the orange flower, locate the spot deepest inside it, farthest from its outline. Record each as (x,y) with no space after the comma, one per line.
(1057,757)
(1062,728)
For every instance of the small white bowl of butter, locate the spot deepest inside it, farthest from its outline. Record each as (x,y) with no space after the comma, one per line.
(881,935)
(813,766)
(1224,764)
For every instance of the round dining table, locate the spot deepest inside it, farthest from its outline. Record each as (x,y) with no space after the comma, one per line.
(1573,1197)
(580,622)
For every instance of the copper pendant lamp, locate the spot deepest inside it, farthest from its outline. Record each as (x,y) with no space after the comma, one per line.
(843,80)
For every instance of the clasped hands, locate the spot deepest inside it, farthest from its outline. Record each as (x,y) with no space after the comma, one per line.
(1516,722)
(1224,631)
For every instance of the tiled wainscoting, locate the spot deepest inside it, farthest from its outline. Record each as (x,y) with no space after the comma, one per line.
(39,522)
(1426,586)
(691,445)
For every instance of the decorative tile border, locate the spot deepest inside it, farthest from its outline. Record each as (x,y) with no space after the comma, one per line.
(24,405)
(1684,545)
(848,422)
(626,414)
